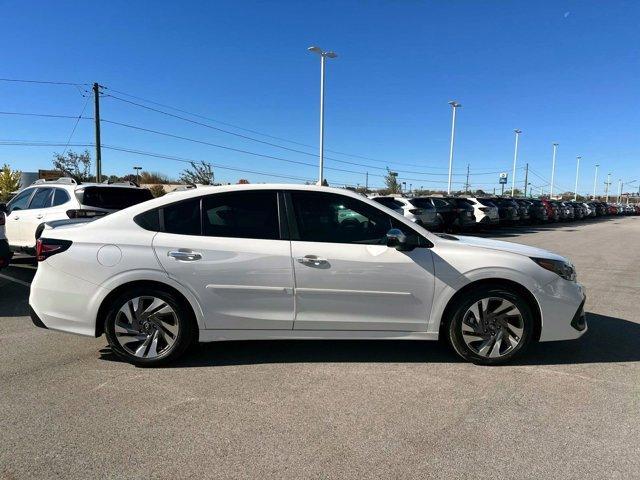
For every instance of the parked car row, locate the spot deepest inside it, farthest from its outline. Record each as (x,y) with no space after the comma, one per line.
(454,214)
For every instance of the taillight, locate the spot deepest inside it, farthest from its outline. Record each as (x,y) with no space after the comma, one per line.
(85,213)
(46,247)
(416,211)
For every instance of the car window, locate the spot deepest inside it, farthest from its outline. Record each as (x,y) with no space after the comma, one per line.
(41,199)
(327,217)
(423,203)
(20,201)
(389,202)
(248,214)
(183,217)
(440,203)
(60,197)
(486,203)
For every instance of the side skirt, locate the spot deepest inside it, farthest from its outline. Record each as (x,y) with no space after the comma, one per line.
(223,335)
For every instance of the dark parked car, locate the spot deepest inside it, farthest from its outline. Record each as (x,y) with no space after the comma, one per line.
(507,209)
(553,215)
(538,211)
(579,211)
(453,214)
(523,210)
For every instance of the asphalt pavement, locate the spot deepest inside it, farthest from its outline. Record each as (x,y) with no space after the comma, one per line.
(331,409)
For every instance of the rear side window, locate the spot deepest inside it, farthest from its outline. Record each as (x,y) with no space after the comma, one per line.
(423,203)
(42,198)
(113,198)
(60,197)
(440,203)
(182,218)
(241,215)
(486,203)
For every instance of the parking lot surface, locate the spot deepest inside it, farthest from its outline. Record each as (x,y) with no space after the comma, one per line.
(327,409)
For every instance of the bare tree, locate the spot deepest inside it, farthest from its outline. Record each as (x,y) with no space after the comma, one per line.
(200,173)
(74,165)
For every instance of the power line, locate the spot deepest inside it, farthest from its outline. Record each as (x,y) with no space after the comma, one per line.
(45,82)
(266,135)
(75,125)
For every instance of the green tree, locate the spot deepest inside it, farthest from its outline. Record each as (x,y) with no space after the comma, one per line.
(9,182)
(155,178)
(200,173)
(391,181)
(74,165)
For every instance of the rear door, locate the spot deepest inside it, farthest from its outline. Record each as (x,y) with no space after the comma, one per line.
(228,250)
(17,208)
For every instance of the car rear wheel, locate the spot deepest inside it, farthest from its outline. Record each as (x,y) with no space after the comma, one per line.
(149,326)
(490,326)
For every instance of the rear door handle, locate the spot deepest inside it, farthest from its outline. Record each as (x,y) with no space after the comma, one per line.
(184,255)
(39,216)
(312,260)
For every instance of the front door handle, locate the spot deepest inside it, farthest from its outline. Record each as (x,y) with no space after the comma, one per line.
(16,217)
(39,216)
(184,255)
(313,260)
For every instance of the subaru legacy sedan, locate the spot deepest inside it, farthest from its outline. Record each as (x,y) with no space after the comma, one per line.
(248,262)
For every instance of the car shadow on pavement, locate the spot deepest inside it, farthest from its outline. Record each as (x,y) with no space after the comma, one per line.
(608,339)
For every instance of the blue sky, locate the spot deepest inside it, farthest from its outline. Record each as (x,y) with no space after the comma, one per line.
(560,70)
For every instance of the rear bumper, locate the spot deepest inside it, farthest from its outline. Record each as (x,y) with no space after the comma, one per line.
(60,301)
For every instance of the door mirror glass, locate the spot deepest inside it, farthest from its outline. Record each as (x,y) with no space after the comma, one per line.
(3,208)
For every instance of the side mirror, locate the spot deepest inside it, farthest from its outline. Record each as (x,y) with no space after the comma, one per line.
(3,208)
(397,239)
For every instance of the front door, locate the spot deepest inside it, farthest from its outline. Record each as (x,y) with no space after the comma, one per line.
(346,276)
(17,208)
(231,257)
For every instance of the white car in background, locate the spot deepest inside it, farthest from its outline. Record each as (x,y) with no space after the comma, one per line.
(485,211)
(424,215)
(47,201)
(245,262)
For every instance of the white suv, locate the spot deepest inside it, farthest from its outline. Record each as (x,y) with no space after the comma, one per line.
(244,262)
(45,201)
(485,211)
(423,215)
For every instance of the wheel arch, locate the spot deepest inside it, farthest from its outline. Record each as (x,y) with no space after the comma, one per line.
(101,316)
(495,282)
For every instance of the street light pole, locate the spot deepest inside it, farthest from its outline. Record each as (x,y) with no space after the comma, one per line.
(454,106)
(619,190)
(323,56)
(553,169)
(595,181)
(606,189)
(515,159)
(575,192)
(137,169)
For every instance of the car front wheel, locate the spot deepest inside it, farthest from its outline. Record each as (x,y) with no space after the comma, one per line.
(490,326)
(149,327)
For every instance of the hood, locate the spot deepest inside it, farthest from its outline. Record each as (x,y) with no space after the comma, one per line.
(518,248)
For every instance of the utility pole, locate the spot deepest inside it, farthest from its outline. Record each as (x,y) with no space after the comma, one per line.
(96,115)
(466,189)
(526,179)
(619,190)
(366,181)
(137,169)
(595,181)
(606,187)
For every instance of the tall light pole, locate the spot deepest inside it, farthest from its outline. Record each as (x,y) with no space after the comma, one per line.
(323,56)
(575,191)
(595,181)
(515,160)
(454,106)
(619,190)
(553,169)
(606,189)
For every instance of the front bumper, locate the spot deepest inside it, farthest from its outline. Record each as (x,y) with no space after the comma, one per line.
(562,307)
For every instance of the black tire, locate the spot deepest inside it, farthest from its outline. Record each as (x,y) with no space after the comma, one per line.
(453,324)
(187,326)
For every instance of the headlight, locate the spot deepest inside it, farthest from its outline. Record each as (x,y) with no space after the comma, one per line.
(564,269)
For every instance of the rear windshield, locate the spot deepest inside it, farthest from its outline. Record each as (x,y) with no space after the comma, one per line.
(113,198)
(485,202)
(389,202)
(421,203)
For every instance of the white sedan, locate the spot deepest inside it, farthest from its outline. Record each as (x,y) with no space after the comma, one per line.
(294,262)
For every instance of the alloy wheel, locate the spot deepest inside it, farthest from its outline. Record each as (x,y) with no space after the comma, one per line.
(146,327)
(492,327)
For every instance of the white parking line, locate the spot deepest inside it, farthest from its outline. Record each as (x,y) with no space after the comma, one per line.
(15,280)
